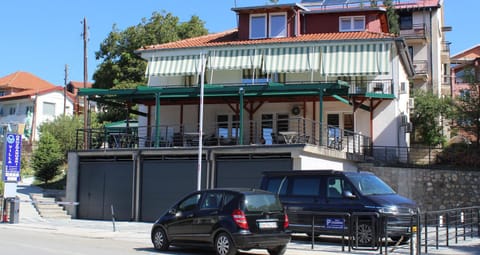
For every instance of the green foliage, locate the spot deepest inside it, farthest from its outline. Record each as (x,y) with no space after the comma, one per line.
(429,110)
(392,16)
(47,158)
(468,111)
(460,155)
(1,187)
(120,63)
(114,113)
(65,130)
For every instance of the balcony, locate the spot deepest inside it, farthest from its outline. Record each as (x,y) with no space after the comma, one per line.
(286,132)
(421,68)
(415,33)
(371,86)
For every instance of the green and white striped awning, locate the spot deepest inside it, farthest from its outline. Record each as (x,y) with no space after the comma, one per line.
(291,59)
(174,65)
(356,59)
(234,59)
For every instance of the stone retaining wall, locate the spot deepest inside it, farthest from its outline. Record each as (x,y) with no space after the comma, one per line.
(432,189)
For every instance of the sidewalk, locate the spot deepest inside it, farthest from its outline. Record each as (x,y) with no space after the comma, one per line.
(139,232)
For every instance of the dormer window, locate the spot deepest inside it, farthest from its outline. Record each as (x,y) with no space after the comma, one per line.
(278,25)
(258,26)
(352,23)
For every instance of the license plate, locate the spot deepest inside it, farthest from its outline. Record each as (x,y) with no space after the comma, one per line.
(267,225)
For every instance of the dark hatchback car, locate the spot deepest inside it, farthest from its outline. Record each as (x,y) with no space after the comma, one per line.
(226,220)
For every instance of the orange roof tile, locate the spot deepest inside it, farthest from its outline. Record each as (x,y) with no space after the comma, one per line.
(24,80)
(79,84)
(230,38)
(33,92)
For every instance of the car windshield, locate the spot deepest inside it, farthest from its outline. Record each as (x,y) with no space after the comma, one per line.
(262,203)
(368,184)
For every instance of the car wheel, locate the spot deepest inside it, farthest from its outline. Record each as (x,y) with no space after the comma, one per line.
(279,250)
(224,245)
(404,239)
(364,234)
(159,239)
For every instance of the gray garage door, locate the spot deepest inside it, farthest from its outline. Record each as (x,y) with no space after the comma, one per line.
(103,185)
(247,172)
(164,182)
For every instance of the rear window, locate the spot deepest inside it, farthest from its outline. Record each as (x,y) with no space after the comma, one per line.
(277,185)
(262,203)
(305,186)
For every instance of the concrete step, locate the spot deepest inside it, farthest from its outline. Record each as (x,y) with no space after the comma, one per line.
(47,207)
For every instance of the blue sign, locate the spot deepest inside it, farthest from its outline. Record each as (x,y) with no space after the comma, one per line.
(12,158)
(335,223)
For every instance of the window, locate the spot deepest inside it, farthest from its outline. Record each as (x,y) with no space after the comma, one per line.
(12,110)
(406,21)
(49,109)
(305,186)
(28,109)
(278,25)
(212,200)
(267,128)
(258,26)
(190,203)
(353,23)
(282,122)
(277,185)
(337,186)
(222,125)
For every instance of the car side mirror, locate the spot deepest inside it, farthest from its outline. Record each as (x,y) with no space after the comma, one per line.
(172,211)
(349,194)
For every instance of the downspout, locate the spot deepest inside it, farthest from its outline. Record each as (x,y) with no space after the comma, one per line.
(320,106)
(157,119)
(34,119)
(241,92)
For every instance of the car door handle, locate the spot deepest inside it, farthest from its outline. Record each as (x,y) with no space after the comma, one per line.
(189,216)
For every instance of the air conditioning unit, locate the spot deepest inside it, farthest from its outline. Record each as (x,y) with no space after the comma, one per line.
(409,128)
(411,103)
(404,119)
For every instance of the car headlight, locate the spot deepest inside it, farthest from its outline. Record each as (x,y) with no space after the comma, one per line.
(388,210)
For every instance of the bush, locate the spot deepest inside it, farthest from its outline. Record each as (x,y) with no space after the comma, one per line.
(462,155)
(47,158)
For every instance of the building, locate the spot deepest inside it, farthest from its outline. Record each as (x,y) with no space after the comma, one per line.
(422,24)
(465,72)
(295,86)
(27,101)
(73,87)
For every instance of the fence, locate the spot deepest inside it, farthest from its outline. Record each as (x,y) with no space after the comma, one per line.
(426,231)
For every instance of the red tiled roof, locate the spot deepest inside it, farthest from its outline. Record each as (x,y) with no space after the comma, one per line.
(79,84)
(230,38)
(24,80)
(33,92)
(417,4)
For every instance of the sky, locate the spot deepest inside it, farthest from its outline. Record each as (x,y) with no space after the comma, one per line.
(43,36)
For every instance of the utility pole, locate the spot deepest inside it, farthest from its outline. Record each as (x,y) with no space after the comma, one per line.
(65,91)
(85,78)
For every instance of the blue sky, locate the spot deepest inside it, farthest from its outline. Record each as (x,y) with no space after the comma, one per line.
(42,36)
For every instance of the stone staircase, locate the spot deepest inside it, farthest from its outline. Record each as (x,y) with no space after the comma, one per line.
(47,208)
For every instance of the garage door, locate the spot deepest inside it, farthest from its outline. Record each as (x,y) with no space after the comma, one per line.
(164,182)
(103,185)
(247,172)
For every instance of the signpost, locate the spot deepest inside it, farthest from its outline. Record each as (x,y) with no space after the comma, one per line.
(11,163)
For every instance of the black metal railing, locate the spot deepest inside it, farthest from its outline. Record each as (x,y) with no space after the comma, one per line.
(284,131)
(384,86)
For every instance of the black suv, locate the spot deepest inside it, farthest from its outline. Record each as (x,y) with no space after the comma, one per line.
(225,219)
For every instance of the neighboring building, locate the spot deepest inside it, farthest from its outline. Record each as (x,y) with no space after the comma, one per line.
(465,72)
(73,87)
(422,24)
(27,101)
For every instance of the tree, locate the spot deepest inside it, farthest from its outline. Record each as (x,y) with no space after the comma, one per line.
(47,158)
(65,130)
(392,16)
(429,109)
(468,109)
(120,63)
